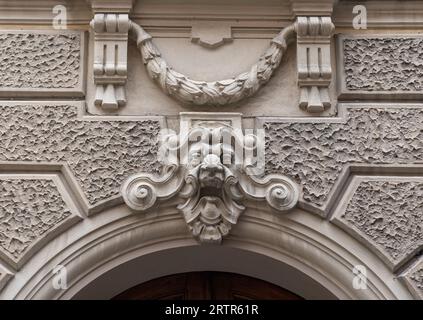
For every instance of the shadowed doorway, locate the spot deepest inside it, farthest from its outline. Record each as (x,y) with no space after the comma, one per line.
(206,286)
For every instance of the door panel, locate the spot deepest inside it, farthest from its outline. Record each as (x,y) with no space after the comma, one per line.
(206,286)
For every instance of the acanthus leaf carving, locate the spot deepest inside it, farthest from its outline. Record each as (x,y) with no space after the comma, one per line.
(212,172)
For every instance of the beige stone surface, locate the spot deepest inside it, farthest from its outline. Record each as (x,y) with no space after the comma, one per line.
(65,161)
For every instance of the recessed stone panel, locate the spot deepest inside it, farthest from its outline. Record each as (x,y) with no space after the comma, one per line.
(387,213)
(31,209)
(42,63)
(380,67)
(101,152)
(315,153)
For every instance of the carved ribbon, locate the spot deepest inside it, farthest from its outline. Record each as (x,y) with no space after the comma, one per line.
(215,93)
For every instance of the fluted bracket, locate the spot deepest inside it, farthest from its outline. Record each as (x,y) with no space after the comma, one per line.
(314,62)
(110,25)
(213,169)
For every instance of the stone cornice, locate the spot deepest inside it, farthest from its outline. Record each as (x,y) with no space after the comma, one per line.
(312,7)
(266,14)
(111,6)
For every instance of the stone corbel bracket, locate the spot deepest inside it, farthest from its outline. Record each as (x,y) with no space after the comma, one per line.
(314,35)
(110,59)
(110,25)
(212,169)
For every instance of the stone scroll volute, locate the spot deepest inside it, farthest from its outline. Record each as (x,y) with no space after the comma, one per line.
(212,169)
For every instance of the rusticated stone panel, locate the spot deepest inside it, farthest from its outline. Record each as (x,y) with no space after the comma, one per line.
(101,154)
(37,62)
(314,154)
(29,208)
(383,64)
(388,214)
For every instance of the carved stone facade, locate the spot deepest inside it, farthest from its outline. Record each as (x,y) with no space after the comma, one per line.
(212,167)
(275,130)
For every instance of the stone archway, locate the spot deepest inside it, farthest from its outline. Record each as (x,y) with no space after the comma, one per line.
(117,249)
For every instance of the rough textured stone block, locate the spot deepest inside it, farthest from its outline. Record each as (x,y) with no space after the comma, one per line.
(42,63)
(388,214)
(100,153)
(315,153)
(381,67)
(31,208)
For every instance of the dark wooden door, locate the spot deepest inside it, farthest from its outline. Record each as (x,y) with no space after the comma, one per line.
(206,286)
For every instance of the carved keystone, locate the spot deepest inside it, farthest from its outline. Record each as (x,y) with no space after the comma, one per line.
(212,168)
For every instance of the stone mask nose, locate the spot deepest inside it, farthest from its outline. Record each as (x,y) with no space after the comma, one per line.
(213,169)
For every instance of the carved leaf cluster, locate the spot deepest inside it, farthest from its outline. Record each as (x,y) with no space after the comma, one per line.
(216,93)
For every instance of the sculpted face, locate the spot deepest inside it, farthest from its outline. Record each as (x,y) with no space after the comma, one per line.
(211,174)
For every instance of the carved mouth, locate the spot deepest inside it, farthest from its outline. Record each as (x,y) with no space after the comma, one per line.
(211,192)
(210,214)
(212,182)
(208,221)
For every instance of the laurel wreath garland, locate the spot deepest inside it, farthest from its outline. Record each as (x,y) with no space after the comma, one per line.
(214,93)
